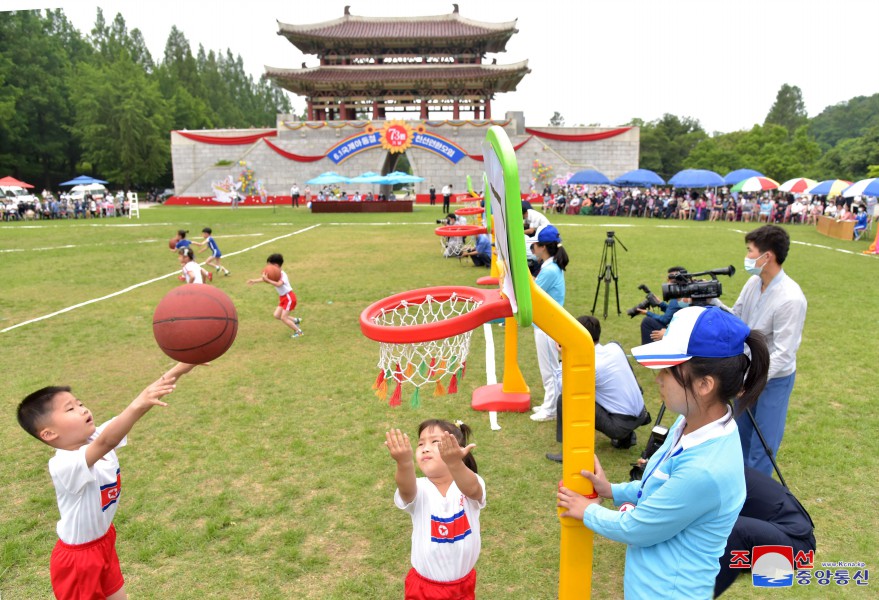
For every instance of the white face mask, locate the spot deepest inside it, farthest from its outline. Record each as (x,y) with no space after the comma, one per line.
(751,265)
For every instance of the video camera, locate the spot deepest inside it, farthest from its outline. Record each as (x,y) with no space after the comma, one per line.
(648,303)
(654,443)
(698,290)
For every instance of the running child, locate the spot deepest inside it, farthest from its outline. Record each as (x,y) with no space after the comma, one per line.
(192,271)
(85,472)
(210,242)
(182,242)
(444,506)
(286,299)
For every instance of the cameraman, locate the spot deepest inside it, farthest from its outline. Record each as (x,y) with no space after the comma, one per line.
(619,404)
(653,325)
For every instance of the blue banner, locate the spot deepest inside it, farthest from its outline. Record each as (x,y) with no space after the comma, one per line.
(448,150)
(353,145)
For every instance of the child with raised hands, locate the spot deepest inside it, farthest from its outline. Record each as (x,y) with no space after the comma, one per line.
(444,506)
(88,482)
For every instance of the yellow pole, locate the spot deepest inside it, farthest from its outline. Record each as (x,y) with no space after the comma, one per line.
(578,435)
(513,382)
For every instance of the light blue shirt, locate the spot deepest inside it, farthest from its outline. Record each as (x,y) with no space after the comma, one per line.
(551,280)
(686,506)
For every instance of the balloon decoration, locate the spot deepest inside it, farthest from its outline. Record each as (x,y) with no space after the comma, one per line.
(541,174)
(246,180)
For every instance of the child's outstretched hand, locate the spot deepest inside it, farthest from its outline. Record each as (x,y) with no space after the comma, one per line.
(452,452)
(152,395)
(398,445)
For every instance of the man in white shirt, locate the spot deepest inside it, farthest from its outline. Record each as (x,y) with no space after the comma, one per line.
(773,304)
(619,404)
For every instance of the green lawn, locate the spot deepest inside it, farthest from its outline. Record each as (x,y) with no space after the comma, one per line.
(267,477)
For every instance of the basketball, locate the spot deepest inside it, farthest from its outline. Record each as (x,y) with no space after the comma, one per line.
(172,243)
(195,324)
(273,272)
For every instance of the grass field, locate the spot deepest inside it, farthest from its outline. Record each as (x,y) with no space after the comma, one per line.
(266,477)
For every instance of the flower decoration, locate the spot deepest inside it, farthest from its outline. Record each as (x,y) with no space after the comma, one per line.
(541,173)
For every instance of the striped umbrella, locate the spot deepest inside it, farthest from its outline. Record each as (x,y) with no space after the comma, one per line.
(797,185)
(829,187)
(755,184)
(864,187)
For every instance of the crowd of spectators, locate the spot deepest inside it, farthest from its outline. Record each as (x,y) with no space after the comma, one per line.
(708,205)
(66,206)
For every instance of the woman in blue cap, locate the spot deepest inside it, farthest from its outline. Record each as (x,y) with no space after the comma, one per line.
(551,279)
(677,519)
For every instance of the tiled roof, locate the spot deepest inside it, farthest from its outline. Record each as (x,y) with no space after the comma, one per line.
(389,74)
(354,30)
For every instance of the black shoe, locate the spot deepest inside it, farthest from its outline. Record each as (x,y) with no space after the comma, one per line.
(554,457)
(626,442)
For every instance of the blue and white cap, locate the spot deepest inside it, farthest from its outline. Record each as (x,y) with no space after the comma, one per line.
(704,331)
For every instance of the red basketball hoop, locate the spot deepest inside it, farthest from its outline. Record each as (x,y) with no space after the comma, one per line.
(470,210)
(459,230)
(425,335)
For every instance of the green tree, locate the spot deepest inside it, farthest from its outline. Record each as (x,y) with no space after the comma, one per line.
(667,141)
(789,110)
(122,120)
(556,120)
(847,119)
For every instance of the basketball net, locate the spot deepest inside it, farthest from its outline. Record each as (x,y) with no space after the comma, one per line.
(423,362)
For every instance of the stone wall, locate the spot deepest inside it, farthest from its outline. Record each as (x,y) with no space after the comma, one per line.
(195,163)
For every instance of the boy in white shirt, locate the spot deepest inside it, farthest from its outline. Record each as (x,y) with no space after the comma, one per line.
(86,475)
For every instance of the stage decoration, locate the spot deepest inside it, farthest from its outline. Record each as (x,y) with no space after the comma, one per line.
(225,190)
(246,181)
(541,174)
(396,136)
(291,155)
(227,141)
(582,137)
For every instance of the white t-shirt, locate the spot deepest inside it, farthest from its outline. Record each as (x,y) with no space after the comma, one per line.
(285,287)
(192,272)
(87,498)
(616,388)
(445,530)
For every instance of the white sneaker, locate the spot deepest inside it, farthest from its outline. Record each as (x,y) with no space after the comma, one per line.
(537,408)
(542,416)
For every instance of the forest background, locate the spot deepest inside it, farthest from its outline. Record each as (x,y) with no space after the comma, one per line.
(100,104)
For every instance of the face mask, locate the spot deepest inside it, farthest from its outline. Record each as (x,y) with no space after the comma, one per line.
(751,265)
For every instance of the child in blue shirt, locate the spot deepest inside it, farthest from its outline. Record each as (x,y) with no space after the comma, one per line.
(677,519)
(210,242)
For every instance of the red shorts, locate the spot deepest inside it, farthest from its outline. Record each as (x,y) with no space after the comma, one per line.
(287,301)
(419,587)
(86,571)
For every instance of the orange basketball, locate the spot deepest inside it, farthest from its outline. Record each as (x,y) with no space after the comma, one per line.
(172,243)
(195,323)
(273,272)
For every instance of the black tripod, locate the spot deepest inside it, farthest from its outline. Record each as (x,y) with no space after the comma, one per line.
(607,271)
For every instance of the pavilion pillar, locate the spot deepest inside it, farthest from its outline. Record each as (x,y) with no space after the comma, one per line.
(310,113)
(476,110)
(343,111)
(456,109)
(423,115)
(487,108)
(375,110)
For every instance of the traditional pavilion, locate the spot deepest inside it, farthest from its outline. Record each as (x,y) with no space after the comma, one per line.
(379,67)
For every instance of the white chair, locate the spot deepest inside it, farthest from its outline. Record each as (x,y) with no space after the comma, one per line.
(133,206)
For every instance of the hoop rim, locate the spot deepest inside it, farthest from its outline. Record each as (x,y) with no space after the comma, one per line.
(494,306)
(470,210)
(459,230)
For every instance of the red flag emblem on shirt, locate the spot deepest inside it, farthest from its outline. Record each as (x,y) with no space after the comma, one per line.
(110,492)
(448,530)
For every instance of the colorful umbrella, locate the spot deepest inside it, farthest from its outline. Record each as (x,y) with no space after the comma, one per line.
(755,184)
(797,185)
(864,187)
(328,178)
(829,187)
(82,180)
(12,181)
(696,178)
(738,175)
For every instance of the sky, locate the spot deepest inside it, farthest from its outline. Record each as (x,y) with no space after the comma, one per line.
(596,62)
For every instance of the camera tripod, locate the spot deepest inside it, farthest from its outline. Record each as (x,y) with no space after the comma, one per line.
(607,271)
(654,444)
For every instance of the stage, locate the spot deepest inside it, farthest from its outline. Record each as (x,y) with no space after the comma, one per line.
(338,206)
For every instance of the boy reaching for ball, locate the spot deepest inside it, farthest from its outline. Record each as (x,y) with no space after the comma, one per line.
(85,472)
(273,274)
(210,242)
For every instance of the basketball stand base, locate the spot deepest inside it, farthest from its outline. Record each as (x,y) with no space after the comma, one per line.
(493,398)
